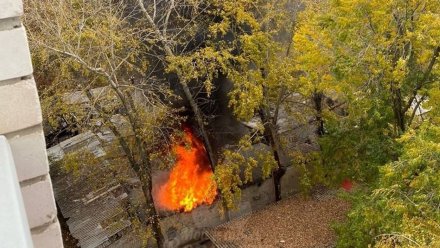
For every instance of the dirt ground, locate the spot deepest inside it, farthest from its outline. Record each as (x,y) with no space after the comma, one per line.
(293,222)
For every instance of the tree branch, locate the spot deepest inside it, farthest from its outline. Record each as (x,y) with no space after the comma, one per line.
(425,77)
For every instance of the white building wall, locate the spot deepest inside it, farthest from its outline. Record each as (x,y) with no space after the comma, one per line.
(20,123)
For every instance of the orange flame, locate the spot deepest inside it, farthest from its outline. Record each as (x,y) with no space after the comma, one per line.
(191,181)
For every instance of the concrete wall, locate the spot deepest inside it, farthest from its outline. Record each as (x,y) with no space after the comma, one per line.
(20,122)
(182,228)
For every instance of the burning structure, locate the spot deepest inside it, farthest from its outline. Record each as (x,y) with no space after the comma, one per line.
(185,196)
(191,181)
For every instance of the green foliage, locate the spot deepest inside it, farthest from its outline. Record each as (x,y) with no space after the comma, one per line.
(356,145)
(74,50)
(314,54)
(403,209)
(310,169)
(257,61)
(378,47)
(77,163)
(204,64)
(263,70)
(251,59)
(237,169)
(374,56)
(95,44)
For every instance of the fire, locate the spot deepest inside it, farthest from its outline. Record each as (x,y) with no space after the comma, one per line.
(191,181)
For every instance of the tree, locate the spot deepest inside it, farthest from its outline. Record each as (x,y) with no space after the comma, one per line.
(239,166)
(246,41)
(188,20)
(378,59)
(391,48)
(314,59)
(402,210)
(262,72)
(385,56)
(89,44)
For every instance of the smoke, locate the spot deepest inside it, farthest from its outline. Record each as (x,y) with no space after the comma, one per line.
(160,177)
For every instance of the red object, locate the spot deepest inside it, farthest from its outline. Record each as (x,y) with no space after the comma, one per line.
(347,185)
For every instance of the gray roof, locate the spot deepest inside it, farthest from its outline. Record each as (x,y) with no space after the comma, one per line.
(96,212)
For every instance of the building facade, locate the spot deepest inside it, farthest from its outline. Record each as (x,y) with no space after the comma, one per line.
(21,124)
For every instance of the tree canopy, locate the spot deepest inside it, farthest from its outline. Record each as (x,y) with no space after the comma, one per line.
(366,73)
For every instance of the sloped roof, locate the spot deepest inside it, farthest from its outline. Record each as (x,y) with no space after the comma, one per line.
(96,212)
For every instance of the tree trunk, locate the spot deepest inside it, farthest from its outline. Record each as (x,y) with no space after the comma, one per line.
(398,109)
(200,122)
(422,82)
(317,100)
(272,136)
(199,118)
(151,210)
